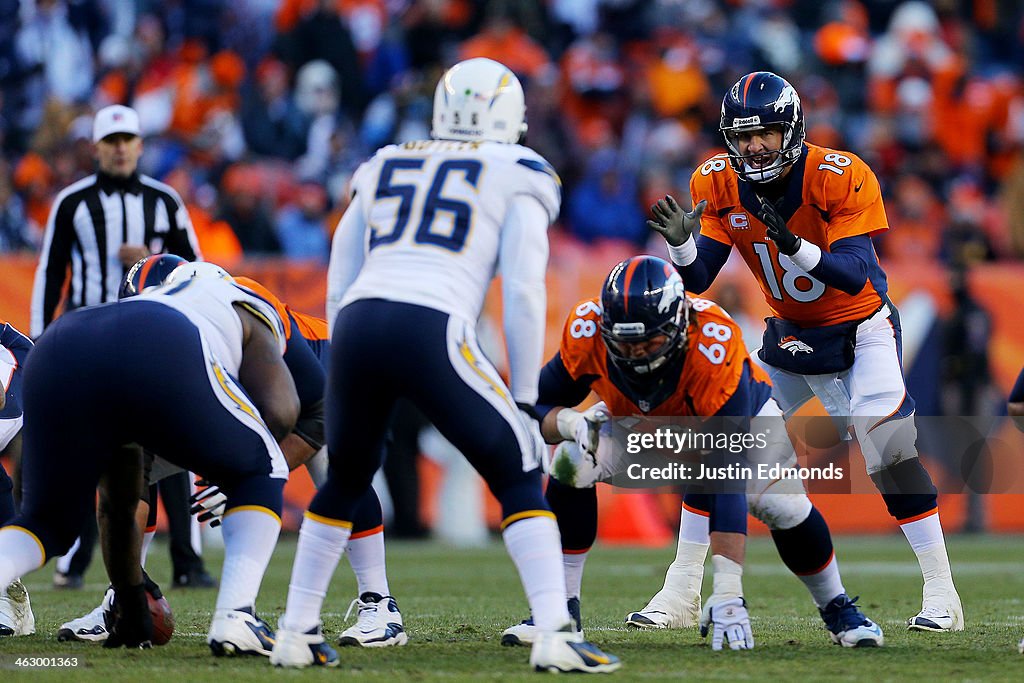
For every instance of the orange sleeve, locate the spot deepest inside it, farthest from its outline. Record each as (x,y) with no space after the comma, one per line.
(309,326)
(267,296)
(581,333)
(855,203)
(702,186)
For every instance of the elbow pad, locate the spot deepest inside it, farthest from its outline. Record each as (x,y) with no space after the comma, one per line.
(310,425)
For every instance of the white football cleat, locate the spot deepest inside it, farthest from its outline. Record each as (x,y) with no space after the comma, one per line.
(671,608)
(379,623)
(239,632)
(298,650)
(940,611)
(16,618)
(1020,646)
(89,628)
(565,651)
(524,633)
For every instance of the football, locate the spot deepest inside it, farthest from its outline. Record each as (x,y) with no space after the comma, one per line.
(163,619)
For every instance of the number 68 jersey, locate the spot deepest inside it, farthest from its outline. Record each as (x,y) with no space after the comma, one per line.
(434,211)
(715,363)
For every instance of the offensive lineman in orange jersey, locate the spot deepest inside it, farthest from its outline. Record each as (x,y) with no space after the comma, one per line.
(802,216)
(648,350)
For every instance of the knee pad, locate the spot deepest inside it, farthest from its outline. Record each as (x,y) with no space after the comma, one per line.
(780,510)
(907,489)
(887,441)
(576,512)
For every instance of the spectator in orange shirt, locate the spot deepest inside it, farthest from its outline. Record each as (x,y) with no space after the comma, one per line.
(502,38)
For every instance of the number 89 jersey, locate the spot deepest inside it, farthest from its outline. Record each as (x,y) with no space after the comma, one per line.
(830,195)
(434,212)
(715,362)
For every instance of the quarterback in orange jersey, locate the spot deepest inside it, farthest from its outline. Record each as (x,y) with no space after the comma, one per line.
(802,216)
(646,349)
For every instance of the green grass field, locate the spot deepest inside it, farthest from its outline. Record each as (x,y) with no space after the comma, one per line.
(456,602)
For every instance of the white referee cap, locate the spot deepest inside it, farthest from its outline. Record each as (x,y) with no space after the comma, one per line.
(116,118)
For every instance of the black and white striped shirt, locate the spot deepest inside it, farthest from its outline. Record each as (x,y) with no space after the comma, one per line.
(89,222)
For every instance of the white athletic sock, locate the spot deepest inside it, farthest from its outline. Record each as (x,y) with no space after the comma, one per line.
(20,553)
(321,543)
(536,549)
(147,539)
(694,528)
(825,585)
(924,533)
(366,555)
(249,540)
(573,565)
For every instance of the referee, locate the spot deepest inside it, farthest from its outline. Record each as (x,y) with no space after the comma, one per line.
(97,229)
(102,224)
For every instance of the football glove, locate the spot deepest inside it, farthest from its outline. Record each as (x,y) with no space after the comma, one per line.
(674,224)
(583,428)
(208,503)
(128,620)
(531,422)
(778,231)
(730,622)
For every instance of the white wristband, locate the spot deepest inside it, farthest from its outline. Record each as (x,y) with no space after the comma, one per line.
(727,580)
(807,256)
(685,253)
(566,422)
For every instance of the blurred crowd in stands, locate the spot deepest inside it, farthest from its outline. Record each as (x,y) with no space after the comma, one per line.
(258,111)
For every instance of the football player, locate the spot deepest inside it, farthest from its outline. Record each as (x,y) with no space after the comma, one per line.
(379,623)
(647,349)
(801,217)
(429,224)
(94,372)
(16,618)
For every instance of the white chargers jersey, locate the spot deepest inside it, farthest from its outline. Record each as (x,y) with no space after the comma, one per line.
(433,212)
(208,303)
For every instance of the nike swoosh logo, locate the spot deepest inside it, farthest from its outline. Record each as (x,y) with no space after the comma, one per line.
(857,189)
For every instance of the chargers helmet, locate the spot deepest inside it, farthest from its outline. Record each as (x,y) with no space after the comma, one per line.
(199,269)
(151,271)
(644,297)
(758,100)
(479,99)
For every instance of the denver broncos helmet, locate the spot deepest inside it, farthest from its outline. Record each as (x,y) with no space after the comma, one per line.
(758,100)
(151,271)
(643,297)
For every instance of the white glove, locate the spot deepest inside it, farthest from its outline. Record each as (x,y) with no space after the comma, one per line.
(731,623)
(538,449)
(583,428)
(574,467)
(208,504)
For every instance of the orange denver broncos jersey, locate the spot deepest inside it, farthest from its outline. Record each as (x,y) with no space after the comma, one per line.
(715,359)
(839,197)
(310,327)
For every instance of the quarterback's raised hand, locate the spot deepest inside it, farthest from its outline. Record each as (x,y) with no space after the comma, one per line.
(673,223)
(729,623)
(778,231)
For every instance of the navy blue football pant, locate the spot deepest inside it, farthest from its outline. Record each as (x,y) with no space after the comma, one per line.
(132,372)
(382,351)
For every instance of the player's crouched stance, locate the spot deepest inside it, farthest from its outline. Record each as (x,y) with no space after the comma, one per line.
(672,355)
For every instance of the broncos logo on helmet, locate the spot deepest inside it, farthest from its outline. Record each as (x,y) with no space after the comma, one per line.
(151,271)
(757,101)
(643,299)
